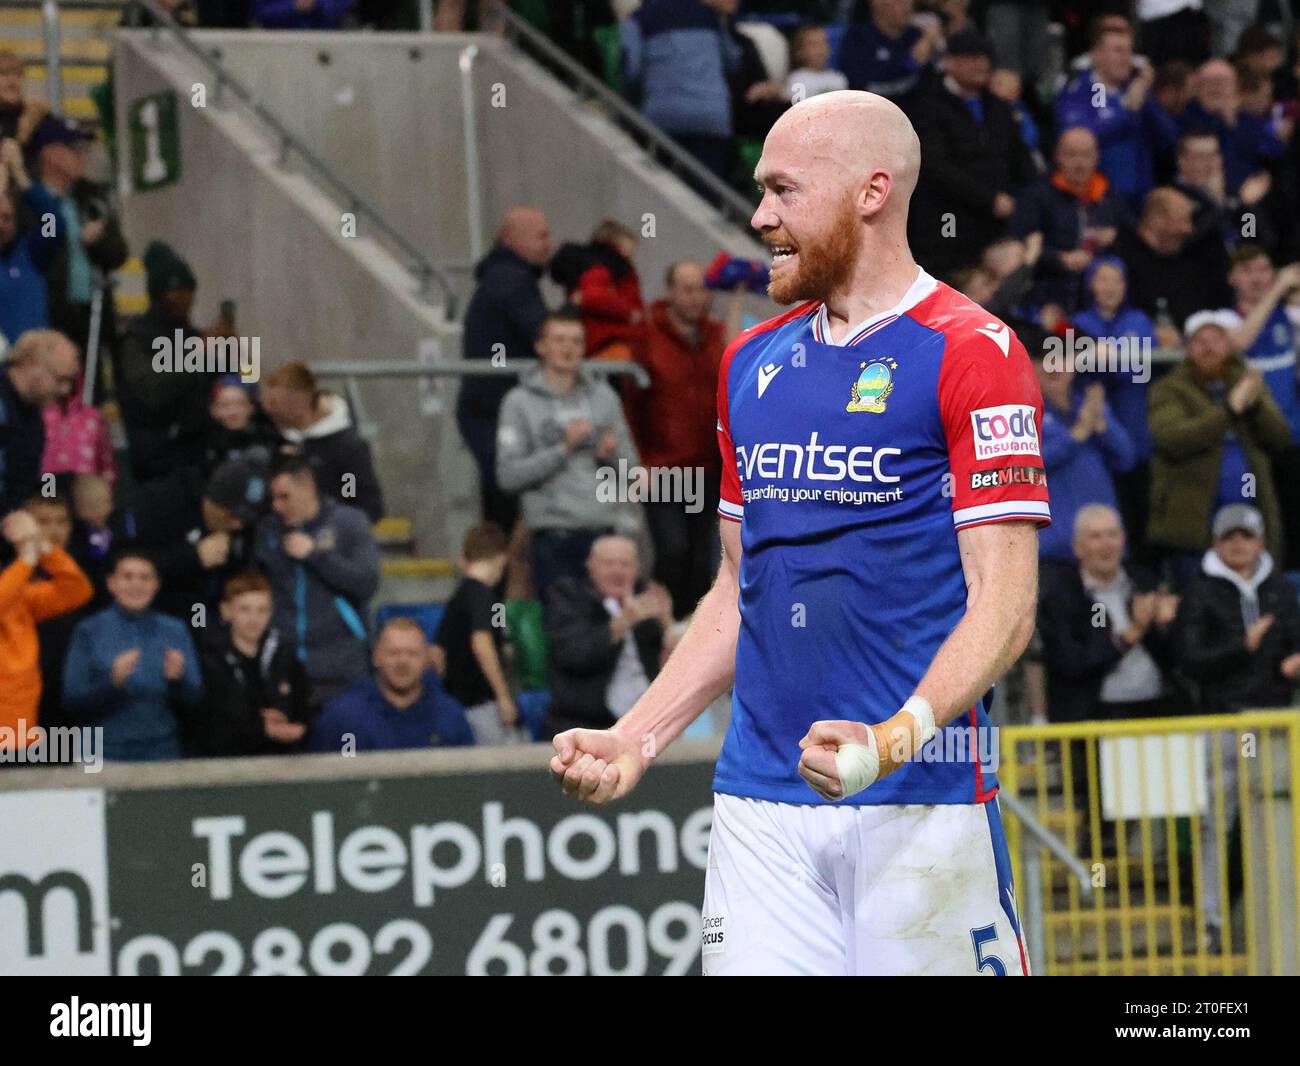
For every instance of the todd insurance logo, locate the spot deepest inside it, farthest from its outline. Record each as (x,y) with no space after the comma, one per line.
(1005,430)
(53,883)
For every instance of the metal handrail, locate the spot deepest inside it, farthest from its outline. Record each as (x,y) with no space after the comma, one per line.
(425,271)
(733,207)
(1047,839)
(53,58)
(462,368)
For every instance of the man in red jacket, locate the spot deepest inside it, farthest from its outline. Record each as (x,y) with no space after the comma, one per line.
(673,423)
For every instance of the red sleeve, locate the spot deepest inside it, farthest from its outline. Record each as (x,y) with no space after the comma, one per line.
(992,410)
(731,504)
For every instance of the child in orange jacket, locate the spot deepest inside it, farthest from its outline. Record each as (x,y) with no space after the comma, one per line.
(23,603)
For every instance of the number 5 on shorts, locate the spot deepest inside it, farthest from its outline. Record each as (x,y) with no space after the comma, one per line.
(980,937)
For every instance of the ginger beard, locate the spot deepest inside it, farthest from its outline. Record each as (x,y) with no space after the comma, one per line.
(822,263)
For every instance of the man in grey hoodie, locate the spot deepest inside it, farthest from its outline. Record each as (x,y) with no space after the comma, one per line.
(1240,638)
(564,445)
(323,565)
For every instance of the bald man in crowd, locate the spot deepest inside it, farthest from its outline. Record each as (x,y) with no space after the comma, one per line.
(882,489)
(42,367)
(502,321)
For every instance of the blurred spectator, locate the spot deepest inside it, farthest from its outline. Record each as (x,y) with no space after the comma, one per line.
(27,252)
(301,14)
(165,414)
(1168,278)
(92,235)
(77,440)
(1005,276)
(254,690)
(1214,427)
(673,428)
(502,321)
(1018,30)
(199,547)
(1005,83)
(25,602)
(323,565)
(1123,330)
(97,531)
(1174,29)
(668,44)
(975,161)
(812,75)
(131,669)
(1247,141)
(559,427)
(1084,447)
(1219,214)
(469,640)
(1260,52)
(238,430)
(1116,662)
(1240,641)
(885,52)
(404,706)
(318,425)
(606,630)
(53,635)
(601,281)
(41,369)
(19,113)
(1172,88)
(1266,315)
(1111,97)
(1077,214)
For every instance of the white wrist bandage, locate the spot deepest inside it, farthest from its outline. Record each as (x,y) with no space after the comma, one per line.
(858,765)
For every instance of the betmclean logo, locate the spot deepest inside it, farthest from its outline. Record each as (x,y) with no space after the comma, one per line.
(132,1020)
(179,354)
(817,462)
(1005,430)
(1008,475)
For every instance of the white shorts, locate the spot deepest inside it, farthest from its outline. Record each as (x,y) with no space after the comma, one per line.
(898,890)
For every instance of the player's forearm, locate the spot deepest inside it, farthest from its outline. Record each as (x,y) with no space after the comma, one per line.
(988,640)
(699,670)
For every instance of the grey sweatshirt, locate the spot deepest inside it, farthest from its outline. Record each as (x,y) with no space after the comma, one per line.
(558,488)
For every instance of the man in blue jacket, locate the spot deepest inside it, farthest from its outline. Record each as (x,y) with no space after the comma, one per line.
(1112,98)
(502,320)
(323,565)
(404,706)
(130,669)
(25,258)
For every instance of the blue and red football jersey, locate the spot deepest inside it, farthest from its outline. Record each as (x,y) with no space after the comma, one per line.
(851,467)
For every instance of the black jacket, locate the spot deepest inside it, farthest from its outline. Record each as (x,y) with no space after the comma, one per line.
(229,720)
(964,165)
(22,445)
(165,414)
(1078,653)
(506,309)
(1190,280)
(1212,644)
(584,654)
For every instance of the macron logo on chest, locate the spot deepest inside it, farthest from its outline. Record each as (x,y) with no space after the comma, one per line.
(765,376)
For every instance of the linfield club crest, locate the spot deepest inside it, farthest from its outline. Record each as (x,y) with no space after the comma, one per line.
(873,386)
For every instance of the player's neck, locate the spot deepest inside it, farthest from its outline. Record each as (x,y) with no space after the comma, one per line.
(878,283)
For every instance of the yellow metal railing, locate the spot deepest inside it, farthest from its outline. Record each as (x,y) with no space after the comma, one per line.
(1148,805)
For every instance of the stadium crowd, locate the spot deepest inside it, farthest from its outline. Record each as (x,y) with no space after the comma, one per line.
(206,590)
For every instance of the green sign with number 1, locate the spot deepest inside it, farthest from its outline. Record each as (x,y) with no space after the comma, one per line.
(155,141)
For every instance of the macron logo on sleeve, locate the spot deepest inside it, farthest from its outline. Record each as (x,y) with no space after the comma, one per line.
(765,376)
(999,335)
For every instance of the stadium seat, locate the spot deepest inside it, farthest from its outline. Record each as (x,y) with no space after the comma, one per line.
(534,705)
